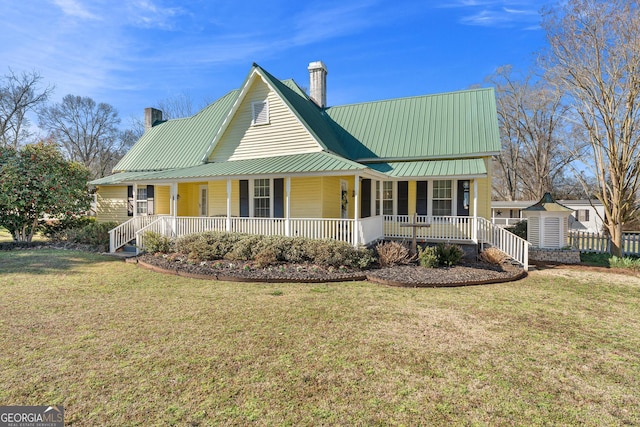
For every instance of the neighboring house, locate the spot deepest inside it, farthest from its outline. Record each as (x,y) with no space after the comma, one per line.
(587,214)
(269,159)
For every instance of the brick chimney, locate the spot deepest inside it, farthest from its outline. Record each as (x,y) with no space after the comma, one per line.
(318,83)
(151,117)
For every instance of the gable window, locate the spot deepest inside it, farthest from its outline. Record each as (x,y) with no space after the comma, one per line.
(261,198)
(259,113)
(442,197)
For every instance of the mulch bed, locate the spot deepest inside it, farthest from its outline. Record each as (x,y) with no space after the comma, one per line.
(467,273)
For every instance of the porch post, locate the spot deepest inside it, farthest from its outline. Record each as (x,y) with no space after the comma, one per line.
(135,200)
(475,211)
(174,213)
(228,225)
(356,209)
(287,209)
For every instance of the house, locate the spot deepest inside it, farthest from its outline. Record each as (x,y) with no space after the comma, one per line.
(587,214)
(269,159)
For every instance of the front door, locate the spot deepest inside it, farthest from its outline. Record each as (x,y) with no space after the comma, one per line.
(344,199)
(203,201)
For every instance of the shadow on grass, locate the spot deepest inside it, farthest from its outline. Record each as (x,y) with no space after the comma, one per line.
(46,261)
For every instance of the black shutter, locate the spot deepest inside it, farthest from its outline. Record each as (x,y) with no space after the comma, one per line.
(130,200)
(278,198)
(365,207)
(244,198)
(403,197)
(463,193)
(421,197)
(150,199)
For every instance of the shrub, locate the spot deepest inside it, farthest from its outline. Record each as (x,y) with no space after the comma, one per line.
(207,246)
(156,242)
(626,262)
(428,257)
(93,233)
(493,256)
(245,248)
(519,229)
(266,256)
(393,253)
(52,227)
(448,254)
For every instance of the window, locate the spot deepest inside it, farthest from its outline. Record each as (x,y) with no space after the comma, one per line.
(387,197)
(261,198)
(442,198)
(259,113)
(141,201)
(582,215)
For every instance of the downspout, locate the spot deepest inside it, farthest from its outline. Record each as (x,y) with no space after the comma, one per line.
(356,209)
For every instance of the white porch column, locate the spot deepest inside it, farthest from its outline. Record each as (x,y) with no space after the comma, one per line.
(475,211)
(228,225)
(135,200)
(356,209)
(380,192)
(287,207)
(174,210)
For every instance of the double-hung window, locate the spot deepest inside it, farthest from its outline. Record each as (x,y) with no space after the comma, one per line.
(141,201)
(261,198)
(442,198)
(387,197)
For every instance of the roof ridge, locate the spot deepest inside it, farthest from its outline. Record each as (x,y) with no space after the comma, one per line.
(404,98)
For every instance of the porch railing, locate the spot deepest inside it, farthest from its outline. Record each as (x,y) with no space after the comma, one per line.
(450,228)
(514,246)
(126,232)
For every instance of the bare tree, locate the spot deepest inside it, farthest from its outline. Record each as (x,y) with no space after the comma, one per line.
(594,56)
(535,145)
(88,132)
(19,95)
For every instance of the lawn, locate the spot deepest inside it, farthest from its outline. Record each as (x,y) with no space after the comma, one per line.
(121,346)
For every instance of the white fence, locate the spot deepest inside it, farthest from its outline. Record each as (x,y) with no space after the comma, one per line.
(514,246)
(600,243)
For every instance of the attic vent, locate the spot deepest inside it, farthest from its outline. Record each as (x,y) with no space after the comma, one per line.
(260,113)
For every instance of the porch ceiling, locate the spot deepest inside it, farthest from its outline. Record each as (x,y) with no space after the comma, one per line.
(470,168)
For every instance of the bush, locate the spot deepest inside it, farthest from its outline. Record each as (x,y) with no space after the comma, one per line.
(156,242)
(93,233)
(51,227)
(393,253)
(266,250)
(428,257)
(493,256)
(519,229)
(626,262)
(448,254)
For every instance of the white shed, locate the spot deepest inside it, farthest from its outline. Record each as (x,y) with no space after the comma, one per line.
(547,223)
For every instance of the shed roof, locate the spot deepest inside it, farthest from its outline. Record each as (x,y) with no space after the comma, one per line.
(547,204)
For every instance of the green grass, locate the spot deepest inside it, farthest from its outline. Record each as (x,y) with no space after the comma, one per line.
(121,346)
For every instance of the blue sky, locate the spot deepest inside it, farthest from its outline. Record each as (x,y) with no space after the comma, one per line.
(132,53)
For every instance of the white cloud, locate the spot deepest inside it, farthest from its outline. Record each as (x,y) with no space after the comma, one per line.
(75,9)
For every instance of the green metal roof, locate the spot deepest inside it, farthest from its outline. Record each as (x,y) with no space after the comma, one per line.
(177,143)
(448,125)
(298,163)
(432,168)
(547,204)
(119,178)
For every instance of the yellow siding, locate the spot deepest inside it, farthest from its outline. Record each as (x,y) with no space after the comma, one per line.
(484,192)
(282,136)
(189,198)
(413,192)
(306,197)
(112,204)
(217,198)
(331,197)
(162,202)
